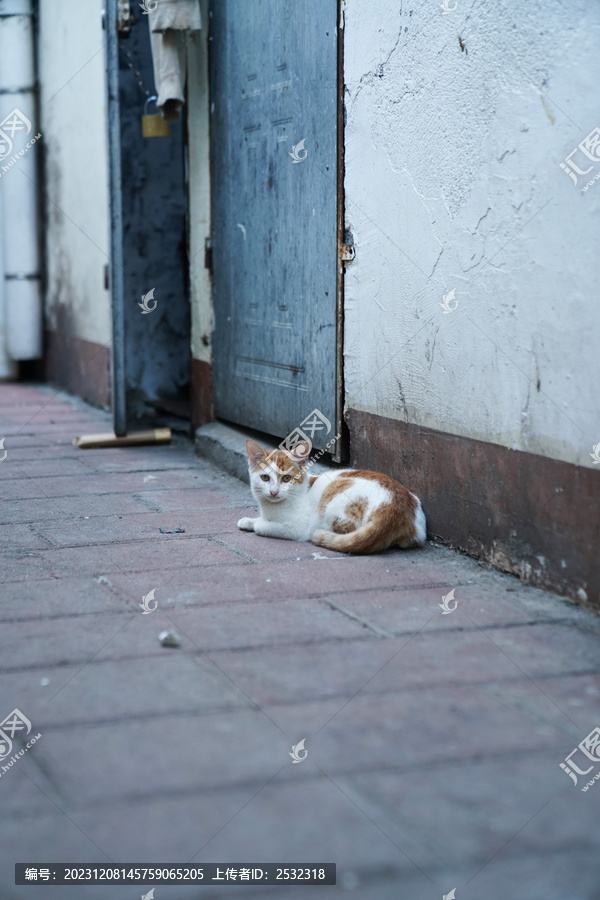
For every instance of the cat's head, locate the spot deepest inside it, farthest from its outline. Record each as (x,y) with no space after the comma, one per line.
(276,475)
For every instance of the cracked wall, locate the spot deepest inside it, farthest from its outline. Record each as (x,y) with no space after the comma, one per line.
(455,128)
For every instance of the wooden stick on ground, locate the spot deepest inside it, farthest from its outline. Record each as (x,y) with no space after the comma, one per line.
(151,436)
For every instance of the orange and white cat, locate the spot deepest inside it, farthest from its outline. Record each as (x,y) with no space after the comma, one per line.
(349,510)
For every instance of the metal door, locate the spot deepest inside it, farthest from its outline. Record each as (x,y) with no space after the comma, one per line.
(274,106)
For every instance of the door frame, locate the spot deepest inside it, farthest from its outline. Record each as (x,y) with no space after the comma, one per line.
(341,447)
(117,355)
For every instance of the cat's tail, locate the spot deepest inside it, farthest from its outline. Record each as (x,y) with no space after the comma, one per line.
(378,534)
(366,539)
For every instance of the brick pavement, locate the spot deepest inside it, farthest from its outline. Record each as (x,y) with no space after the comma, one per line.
(433,740)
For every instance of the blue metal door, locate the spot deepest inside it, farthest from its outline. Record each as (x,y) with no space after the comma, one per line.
(274,218)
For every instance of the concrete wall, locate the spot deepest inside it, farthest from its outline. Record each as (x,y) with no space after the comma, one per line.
(71,60)
(456,126)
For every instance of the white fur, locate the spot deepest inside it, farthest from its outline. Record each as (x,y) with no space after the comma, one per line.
(296,516)
(360,488)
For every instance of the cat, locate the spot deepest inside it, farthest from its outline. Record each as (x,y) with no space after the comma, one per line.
(348,510)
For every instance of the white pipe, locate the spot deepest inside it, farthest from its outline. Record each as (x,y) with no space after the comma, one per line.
(8,368)
(18,203)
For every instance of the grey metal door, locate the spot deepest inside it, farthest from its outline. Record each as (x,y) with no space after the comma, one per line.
(274,216)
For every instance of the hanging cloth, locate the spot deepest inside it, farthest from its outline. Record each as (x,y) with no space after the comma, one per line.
(168,23)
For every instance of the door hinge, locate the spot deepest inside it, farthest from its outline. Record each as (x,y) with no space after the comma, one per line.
(347,252)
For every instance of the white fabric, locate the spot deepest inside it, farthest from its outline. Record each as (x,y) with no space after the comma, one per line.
(176,15)
(168,22)
(168,59)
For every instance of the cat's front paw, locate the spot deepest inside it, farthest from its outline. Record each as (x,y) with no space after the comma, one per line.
(246,524)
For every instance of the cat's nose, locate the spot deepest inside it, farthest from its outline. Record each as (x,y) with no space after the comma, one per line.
(274,491)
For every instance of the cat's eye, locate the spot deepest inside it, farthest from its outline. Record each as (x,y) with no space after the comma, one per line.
(265,477)
(287,478)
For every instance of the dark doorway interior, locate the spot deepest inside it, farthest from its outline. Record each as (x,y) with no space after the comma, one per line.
(157,343)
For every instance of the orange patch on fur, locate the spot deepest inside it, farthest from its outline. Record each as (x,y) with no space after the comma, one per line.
(390,524)
(357,508)
(283,465)
(342,526)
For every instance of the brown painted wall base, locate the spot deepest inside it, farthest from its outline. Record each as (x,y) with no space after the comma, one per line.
(79,367)
(202,393)
(535,517)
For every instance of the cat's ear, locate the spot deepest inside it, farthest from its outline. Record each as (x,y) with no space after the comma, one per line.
(255,452)
(300,455)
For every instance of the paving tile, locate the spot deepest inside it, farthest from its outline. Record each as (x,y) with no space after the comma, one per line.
(265,549)
(141,459)
(361,730)
(154,557)
(100,697)
(305,578)
(54,508)
(18,469)
(578,696)
(426,660)
(296,673)
(21,537)
(399,612)
(433,741)
(294,622)
(44,643)
(145,525)
(29,450)
(189,500)
(59,597)
(54,431)
(479,806)
(184,481)
(145,832)
(108,763)
(123,691)
(483,655)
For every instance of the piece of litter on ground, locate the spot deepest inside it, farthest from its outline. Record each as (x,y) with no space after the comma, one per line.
(320,556)
(148,478)
(169,639)
(178,530)
(268,579)
(44,681)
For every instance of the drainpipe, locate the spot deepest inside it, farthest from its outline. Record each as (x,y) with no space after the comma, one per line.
(18,201)
(8,368)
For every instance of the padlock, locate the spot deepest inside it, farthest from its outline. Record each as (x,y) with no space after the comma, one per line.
(153,125)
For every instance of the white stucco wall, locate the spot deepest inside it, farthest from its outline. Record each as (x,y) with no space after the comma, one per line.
(71,58)
(453,182)
(199,190)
